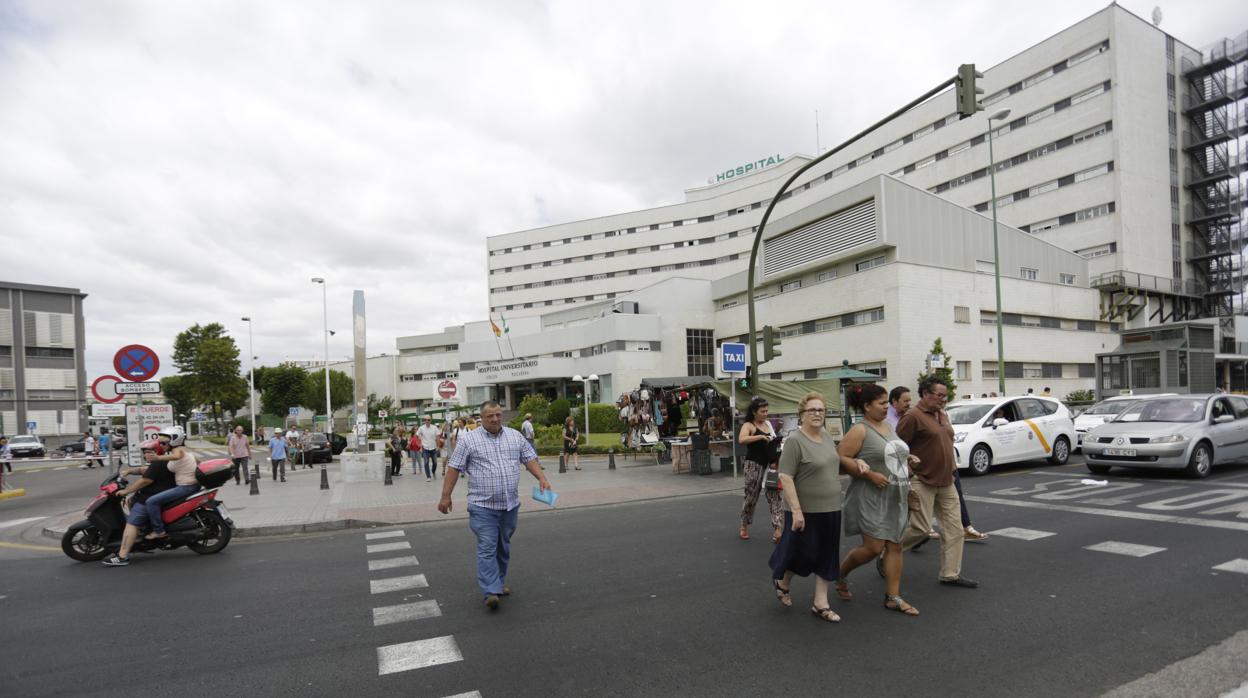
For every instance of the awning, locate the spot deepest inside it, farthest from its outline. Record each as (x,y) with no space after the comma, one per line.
(674,381)
(782,396)
(1147,347)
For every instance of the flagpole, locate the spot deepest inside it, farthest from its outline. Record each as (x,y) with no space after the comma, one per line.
(497,333)
(507,331)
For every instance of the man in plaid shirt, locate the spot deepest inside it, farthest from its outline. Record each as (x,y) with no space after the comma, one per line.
(491,457)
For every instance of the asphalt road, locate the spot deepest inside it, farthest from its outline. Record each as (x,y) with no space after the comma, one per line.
(656,599)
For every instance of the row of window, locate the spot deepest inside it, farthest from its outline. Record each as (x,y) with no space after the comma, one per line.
(796,284)
(415,377)
(931,128)
(961,314)
(1046,187)
(1069,218)
(1033,154)
(629,251)
(827,324)
(42,352)
(1019,369)
(431,350)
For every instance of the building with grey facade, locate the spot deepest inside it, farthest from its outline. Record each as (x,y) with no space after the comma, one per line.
(42,360)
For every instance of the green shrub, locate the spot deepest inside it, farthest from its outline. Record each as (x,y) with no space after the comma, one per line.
(533,404)
(603,418)
(1079,396)
(218,440)
(557,412)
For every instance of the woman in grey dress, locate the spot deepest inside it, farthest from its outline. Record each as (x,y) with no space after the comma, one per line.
(876,501)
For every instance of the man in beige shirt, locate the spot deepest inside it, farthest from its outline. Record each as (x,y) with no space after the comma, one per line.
(928,432)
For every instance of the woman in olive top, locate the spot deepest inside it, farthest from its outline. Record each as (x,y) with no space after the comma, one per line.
(809,476)
(757,436)
(876,501)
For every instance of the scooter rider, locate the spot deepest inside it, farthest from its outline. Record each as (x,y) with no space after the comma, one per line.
(182,464)
(154,479)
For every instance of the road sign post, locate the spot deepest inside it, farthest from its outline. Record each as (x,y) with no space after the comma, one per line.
(732,361)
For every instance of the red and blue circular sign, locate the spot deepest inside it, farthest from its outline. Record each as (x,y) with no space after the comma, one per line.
(136,362)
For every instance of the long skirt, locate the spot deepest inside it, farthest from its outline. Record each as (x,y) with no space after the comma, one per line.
(815,549)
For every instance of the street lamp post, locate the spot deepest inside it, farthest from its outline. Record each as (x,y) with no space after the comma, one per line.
(585,381)
(251,380)
(996,249)
(329,416)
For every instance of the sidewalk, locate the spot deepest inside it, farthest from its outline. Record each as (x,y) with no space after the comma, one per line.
(300,506)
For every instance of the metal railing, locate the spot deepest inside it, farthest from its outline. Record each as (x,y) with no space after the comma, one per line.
(1147,282)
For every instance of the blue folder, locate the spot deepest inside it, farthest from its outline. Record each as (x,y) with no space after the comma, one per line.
(548,497)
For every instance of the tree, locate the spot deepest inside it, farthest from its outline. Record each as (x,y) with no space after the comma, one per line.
(946,373)
(341,390)
(217,380)
(374,406)
(180,393)
(558,412)
(284,387)
(186,345)
(536,405)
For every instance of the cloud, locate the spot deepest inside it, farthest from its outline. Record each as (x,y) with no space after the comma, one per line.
(187,162)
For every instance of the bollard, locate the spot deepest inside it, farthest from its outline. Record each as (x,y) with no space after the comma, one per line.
(255,481)
(563,464)
(611,459)
(324,477)
(389,477)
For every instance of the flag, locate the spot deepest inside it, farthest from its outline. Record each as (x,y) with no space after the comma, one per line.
(497,332)
(506,329)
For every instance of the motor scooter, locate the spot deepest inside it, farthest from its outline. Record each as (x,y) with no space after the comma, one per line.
(199,521)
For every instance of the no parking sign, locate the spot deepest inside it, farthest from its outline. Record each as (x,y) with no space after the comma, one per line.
(136,362)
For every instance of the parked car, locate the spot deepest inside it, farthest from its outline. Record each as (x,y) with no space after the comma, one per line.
(27,446)
(1105,411)
(75,447)
(993,431)
(1185,432)
(316,449)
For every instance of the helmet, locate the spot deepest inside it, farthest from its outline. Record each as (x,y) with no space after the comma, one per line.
(153,445)
(177,436)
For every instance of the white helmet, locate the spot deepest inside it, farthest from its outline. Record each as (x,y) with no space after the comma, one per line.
(177,436)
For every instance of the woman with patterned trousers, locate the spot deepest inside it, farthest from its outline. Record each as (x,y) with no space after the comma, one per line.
(758,437)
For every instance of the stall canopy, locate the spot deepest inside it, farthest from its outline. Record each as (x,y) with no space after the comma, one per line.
(782,396)
(674,382)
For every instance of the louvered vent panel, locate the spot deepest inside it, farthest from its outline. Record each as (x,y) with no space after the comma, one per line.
(832,235)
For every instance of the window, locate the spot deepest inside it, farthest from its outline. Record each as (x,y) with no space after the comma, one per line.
(1090,133)
(1042,188)
(1087,94)
(826,275)
(790,286)
(1092,172)
(869,264)
(700,352)
(964,370)
(1044,225)
(1028,274)
(1094,212)
(1068,279)
(1098,251)
(961,314)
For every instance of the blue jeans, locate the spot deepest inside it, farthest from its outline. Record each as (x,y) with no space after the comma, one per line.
(430,461)
(493,528)
(156,501)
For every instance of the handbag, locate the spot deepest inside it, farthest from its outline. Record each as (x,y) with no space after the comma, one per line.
(771,479)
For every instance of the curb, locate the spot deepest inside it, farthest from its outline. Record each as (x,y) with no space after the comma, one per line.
(10,494)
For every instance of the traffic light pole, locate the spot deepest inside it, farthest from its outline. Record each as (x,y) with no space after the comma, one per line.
(762,224)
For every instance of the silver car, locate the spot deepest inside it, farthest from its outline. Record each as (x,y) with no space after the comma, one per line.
(1188,432)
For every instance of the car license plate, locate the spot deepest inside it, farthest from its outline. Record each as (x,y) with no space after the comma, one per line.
(224,514)
(1119,452)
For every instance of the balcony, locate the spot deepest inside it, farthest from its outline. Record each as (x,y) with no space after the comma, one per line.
(1122,280)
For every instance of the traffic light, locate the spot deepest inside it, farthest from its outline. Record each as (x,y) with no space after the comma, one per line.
(746,382)
(770,342)
(968,91)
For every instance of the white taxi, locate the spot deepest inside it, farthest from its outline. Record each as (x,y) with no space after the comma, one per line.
(991,431)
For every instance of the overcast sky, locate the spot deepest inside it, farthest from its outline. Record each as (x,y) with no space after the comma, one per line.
(185,162)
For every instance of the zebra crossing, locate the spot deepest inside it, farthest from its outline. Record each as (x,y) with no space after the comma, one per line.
(1111,547)
(414,654)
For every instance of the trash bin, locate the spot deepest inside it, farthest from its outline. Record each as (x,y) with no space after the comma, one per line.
(700,462)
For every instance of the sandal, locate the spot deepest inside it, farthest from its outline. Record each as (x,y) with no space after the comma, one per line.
(744,534)
(899,604)
(825,614)
(842,589)
(782,593)
(155,536)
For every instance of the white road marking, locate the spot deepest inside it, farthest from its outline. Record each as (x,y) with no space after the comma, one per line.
(19,522)
(469,694)
(386,547)
(392,562)
(1119,548)
(385,615)
(406,656)
(1137,515)
(382,586)
(1021,533)
(384,534)
(63,467)
(1239,565)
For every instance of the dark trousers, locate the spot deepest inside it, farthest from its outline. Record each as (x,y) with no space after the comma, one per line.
(240,464)
(966,515)
(396,462)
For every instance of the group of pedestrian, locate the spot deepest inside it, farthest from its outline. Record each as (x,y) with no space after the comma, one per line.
(95,450)
(902,473)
